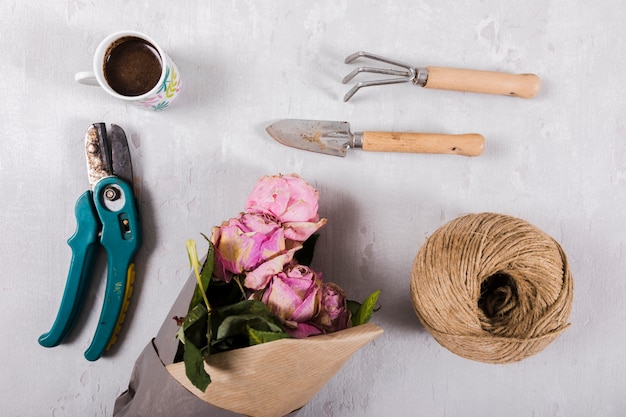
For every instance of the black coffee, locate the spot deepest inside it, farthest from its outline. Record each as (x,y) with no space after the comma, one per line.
(132,66)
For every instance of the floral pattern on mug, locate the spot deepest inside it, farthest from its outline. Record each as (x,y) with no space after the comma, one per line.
(167,93)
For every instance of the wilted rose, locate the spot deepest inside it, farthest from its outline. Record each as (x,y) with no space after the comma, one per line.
(291,201)
(333,313)
(294,295)
(247,242)
(258,278)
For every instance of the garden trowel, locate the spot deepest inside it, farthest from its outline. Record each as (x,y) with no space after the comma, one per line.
(335,138)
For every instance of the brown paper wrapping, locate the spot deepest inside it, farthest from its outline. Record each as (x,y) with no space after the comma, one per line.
(244,381)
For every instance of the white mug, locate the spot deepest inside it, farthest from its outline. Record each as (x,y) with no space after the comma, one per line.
(136,83)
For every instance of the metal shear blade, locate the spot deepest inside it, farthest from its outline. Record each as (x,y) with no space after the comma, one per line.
(107,154)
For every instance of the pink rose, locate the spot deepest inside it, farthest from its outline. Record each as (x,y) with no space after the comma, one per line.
(291,201)
(258,278)
(246,243)
(334,314)
(294,296)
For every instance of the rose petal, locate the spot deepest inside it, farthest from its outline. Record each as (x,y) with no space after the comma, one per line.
(258,222)
(289,198)
(269,195)
(334,314)
(303,330)
(301,231)
(308,307)
(273,243)
(300,210)
(282,299)
(239,251)
(258,278)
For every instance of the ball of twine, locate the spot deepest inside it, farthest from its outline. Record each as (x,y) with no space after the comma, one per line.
(492,288)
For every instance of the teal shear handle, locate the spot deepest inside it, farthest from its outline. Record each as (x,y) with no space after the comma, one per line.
(83,244)
(120,235)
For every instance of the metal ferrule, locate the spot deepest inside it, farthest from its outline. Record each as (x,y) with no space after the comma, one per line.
(421,77)
(357,140)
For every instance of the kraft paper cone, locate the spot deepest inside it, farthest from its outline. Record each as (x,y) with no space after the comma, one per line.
(243,380)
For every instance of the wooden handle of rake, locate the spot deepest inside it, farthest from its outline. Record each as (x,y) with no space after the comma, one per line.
(488,82)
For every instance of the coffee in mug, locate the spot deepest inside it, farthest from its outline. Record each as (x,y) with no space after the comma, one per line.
(132,67)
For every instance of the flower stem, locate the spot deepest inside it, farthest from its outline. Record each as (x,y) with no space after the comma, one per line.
(238,281)
(195,264)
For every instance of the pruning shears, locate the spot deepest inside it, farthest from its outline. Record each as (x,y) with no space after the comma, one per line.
(107,212)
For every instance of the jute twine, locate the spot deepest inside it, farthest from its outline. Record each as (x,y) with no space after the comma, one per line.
(492,288)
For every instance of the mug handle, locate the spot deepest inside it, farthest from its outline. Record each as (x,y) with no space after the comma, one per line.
(87,78)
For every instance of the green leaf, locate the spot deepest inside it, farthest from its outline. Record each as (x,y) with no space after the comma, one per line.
(194,367)
(231,324)
(366,310)
(353,306)
(256,337)
(209,262)
(194,328)
(254,307)
(194,315)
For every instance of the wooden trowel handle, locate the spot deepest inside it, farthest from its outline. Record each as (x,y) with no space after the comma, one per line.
(488,82)
(471,144)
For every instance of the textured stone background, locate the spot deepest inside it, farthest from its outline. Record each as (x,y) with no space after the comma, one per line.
(557,161)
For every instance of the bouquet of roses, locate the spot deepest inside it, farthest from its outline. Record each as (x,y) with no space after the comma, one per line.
(255,285)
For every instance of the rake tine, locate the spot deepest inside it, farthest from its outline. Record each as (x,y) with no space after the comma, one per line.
(362,84)
(359,70)
(363,54)
(406,75)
